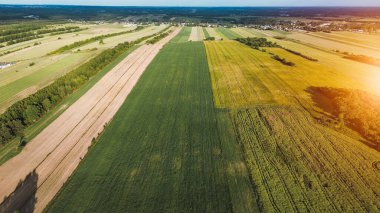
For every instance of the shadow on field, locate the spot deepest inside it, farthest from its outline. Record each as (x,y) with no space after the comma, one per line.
(23,199)
(354,109)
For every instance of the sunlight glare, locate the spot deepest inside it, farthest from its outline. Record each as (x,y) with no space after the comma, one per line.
(375,83)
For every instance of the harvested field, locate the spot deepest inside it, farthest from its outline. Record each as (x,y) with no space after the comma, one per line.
(66,140)
(201,34)
(22,80)
(334,44)
(167,137)
(115,40)
(194,36)
(213,33)
(12,148)
(30,79)
(50,43)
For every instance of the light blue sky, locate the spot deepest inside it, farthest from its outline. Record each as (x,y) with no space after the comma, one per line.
(202,2)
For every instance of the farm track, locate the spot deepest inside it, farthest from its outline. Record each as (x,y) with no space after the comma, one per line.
(56,151)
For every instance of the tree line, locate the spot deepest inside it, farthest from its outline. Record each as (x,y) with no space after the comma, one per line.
(283,61)
(301,55)
(90,40)
(20,29)
(60,30)
(256,43)
(157,38)
(363,59)
(26,36)
(28,111)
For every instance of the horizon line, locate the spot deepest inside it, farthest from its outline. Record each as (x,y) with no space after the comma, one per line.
(189,6)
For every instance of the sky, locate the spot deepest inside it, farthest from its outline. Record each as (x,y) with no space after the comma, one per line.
(364,3)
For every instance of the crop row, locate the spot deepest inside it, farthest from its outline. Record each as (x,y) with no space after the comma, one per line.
(300,165)
(167,137)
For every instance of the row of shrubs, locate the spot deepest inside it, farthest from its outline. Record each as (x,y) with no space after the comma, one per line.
(16,36)
(54,30)
(256,43)
(68,31)
(283,61)
(28,111)
(20,29)
(157,38)
(27,36)
(93,39)
(301,55)
(363,59)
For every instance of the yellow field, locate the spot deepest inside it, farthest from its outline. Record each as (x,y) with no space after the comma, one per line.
(295,162)
(333,44)
(243,32)
(258,79)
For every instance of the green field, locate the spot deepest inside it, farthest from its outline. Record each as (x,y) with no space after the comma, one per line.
(168,148)
(34,70)
(296,163)
(183,36)
(12,148)
(24,86)
(205,32)
(227,33)
(21,80)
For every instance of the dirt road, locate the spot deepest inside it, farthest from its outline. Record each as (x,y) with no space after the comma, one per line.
(57,150)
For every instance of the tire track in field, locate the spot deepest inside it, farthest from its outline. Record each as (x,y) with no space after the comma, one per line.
(257,160)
